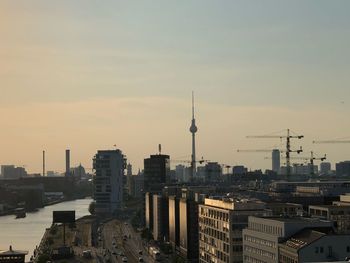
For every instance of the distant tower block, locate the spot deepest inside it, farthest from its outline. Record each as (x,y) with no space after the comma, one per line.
(276,160)
(67,162)
(193,130)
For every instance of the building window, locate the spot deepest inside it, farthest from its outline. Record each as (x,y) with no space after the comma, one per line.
(330,251)
(316,250)
(321,249)
(348,249)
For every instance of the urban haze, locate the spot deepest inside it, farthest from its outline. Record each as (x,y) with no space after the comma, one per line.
(174,131)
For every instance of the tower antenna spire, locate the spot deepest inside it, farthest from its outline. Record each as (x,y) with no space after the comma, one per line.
(192,104)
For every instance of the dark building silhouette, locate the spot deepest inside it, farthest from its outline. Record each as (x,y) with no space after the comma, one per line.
(343,168)
(156,172)
(188,214)
(12,256)
(174,221)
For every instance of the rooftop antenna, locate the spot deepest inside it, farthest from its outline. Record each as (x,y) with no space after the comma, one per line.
(159,149)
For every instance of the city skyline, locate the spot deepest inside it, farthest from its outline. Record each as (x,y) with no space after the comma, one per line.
(86,76)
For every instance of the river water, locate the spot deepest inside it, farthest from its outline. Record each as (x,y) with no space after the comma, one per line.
(26,233)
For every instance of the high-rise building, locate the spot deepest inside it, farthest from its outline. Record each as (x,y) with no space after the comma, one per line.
(160,218)
(276,160)
(220,228)
(156,172)
(325,168)
(188,230)
(174,221)
(213,172)
(109,168)
(343,168)
(129,170)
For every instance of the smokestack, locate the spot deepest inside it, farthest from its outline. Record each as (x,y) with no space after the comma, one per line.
(67,162)
(43,163)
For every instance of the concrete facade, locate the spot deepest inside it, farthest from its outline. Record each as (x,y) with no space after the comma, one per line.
(109,168)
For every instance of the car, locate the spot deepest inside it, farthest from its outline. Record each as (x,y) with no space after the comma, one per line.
(114,253)
(125,259)
(141,259)
(126,223)
(140,252)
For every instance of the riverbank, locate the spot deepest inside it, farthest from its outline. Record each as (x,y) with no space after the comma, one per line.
(78,238)
(13,211)
(26,233)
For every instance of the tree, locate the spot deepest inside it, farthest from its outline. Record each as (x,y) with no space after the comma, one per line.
(43,258)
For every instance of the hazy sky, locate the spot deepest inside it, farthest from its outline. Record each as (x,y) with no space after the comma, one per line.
(86,75)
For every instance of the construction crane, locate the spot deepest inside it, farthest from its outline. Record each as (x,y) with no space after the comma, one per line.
(189,161)
(312,158)
(331,141)
(257,150)
(288,151)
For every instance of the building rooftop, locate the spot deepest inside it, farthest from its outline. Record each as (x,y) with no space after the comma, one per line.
(306,237)
(12,252)
(296,219)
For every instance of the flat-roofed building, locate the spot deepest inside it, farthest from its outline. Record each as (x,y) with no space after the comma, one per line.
(174,221)
(188,231)
(109,168)
(339,214)
(220,228)
(261,238)
(160,218)
(285,209)
(12,256)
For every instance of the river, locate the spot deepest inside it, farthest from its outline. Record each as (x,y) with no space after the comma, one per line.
(26,233)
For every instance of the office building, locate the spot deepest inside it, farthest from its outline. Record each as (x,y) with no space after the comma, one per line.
(183,173)
(220,228)
(285,209)
(276,160)
(339,214)
(156,172)
(262,237)
(12,172)
(188,232)
(239,170)
(149,211)
(343,168)
(212,172)
(325,168)
(174,221)
(109,168)
(160,218)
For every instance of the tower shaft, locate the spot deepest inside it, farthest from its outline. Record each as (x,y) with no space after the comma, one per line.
(193,130)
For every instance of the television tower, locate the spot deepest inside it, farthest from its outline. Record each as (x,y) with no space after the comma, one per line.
(193,130)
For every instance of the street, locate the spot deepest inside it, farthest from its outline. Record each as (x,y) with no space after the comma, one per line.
(120,240)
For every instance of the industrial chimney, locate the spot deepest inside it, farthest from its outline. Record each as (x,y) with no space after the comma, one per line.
(67,162)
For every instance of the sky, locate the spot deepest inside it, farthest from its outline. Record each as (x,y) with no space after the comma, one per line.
(87,75)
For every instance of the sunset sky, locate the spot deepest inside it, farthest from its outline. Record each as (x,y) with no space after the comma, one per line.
(86,75)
